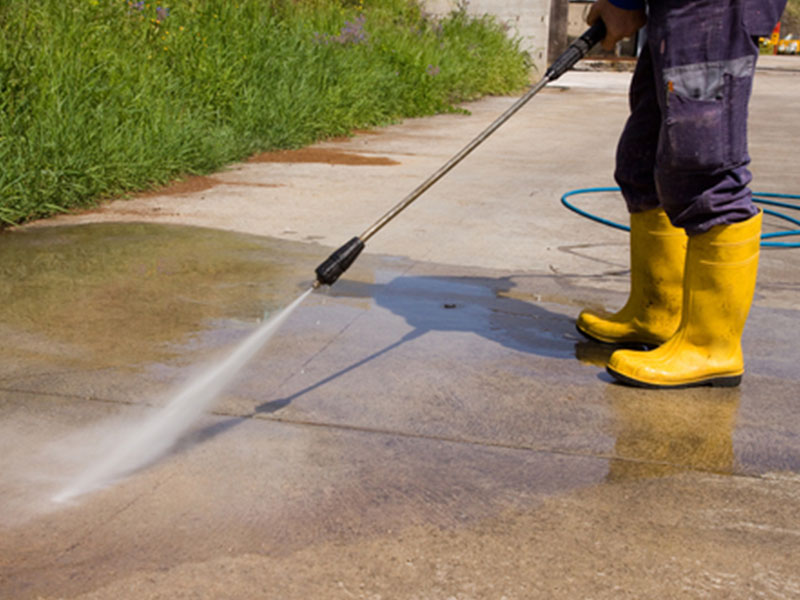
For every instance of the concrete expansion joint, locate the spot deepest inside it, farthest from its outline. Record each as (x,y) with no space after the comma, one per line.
(486,444)
(474,442)
(97,399)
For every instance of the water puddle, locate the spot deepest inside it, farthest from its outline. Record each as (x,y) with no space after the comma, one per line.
(407,395)
(121,314)
(129,295)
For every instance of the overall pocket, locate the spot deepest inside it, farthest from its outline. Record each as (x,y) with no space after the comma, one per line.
(705,120)
(694,134)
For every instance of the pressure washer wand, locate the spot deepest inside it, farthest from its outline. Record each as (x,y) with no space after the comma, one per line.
(338,262)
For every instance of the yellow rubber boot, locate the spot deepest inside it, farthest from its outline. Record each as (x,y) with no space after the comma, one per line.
(653,310)
(721,268)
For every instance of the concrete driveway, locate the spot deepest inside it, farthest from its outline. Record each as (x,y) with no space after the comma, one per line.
(431,427)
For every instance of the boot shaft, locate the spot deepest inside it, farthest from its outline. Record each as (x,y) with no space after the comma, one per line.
(720,280)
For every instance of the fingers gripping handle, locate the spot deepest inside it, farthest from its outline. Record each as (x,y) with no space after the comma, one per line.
(576,51)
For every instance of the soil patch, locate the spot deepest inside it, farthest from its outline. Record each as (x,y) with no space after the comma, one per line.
(198,183)
(321,155)
(189,185)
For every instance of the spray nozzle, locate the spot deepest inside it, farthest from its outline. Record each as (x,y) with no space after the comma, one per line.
(338,262)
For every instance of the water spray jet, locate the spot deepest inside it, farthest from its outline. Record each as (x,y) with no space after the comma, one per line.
(150,439)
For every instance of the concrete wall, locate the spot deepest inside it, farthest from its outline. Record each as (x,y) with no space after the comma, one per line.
(528,19)
(576,23)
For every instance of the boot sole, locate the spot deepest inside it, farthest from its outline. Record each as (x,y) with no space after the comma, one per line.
(628,345)
(725,381)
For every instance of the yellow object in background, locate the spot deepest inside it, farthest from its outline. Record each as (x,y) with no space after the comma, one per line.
(775,45)
(776,35)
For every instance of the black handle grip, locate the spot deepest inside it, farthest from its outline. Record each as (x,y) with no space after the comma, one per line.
(577,50)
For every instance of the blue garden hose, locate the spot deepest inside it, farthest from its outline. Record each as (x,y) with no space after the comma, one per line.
(758,197)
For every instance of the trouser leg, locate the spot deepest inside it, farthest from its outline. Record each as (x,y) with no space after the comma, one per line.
(636,151)
(703,62)
(657,249)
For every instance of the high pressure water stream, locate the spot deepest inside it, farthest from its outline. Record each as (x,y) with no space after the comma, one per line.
(159,432)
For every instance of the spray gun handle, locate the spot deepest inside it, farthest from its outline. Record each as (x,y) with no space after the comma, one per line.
(576,51)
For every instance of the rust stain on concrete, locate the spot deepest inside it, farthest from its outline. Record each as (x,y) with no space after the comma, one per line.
(188,185)
(329,156)
(199,183)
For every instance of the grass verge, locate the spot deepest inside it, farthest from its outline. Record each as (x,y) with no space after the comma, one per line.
(103,97)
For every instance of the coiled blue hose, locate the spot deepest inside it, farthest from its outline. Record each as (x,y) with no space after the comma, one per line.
(758,197)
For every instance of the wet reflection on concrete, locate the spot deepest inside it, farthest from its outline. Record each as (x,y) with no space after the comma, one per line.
(660,435)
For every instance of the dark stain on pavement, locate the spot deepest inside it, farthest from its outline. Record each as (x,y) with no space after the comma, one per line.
(330,156)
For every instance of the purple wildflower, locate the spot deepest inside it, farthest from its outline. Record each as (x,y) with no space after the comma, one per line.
(352,32)
(162,13)
(432,70)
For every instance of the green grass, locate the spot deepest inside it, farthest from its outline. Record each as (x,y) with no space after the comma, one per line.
(103,97)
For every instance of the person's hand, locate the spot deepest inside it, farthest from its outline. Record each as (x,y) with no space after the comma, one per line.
(620,23)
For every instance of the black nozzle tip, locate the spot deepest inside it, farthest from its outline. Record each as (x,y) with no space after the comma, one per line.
(338,262)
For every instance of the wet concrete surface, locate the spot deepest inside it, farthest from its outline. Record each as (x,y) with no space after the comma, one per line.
(423,429)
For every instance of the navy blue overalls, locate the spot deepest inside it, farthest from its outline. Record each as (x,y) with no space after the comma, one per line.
(684,147)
